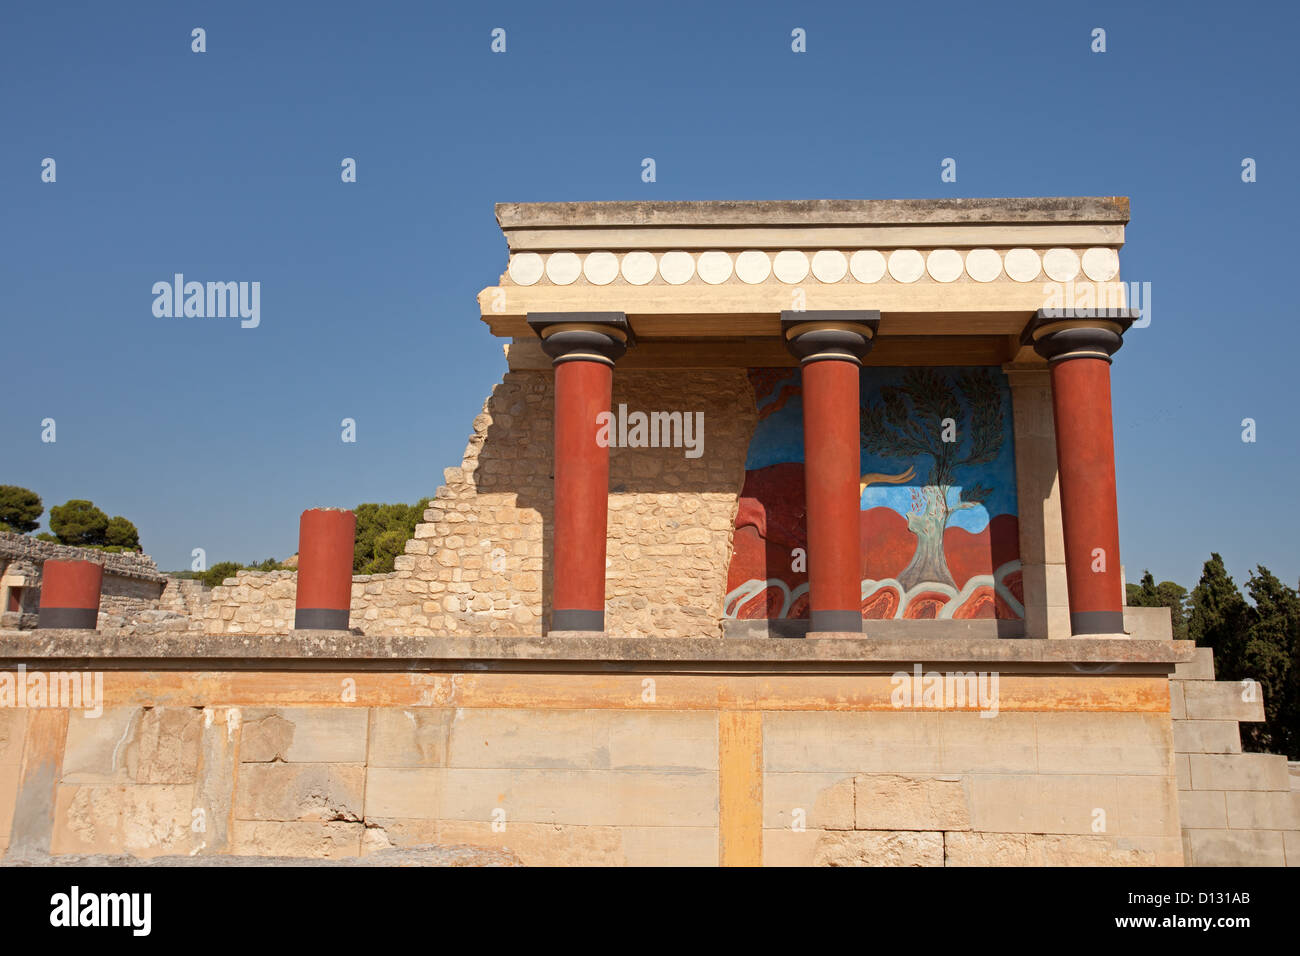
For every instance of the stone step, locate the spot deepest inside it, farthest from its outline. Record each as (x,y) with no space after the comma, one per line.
(1223,700)
(1200,667)
(1207,737)
(1238,772)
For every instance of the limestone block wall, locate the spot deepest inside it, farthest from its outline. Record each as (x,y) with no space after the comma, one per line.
(1237,809)
(597,768)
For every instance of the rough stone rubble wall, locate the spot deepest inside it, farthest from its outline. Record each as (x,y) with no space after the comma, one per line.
(1237,809)
(479,561)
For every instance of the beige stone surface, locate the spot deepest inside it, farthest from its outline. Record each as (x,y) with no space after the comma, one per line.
(1235,848)
(878,848)
(1269,810)
(305,735)
(1238,772)
(898,802)
(142,820)
(315,840)
(409,736)
(1207,736)
(1223,700)
(824,799)
(1104,743)
(300,792)
(1202,809)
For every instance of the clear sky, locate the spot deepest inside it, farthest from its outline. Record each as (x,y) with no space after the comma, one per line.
(225,165)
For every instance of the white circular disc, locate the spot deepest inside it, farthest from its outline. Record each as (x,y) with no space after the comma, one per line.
(753,266)
(829,265)
(1022,265)
(676,267)
(944,265)
(1100,265)
(714,267)
(639,267)
(983,265)
(600,268)
(906,265)
(867,265)
(791,266)
(563,268)
(1061,265)
(526,268)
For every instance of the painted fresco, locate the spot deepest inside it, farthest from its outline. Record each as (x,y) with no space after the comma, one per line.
(938,518)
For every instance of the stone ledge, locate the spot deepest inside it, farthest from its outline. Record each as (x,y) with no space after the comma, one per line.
(299,648)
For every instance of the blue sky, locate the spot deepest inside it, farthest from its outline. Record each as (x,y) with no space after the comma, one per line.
(225,165)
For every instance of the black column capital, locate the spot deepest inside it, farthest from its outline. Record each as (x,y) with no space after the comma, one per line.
(583,336)
(1060,334)
(844,335)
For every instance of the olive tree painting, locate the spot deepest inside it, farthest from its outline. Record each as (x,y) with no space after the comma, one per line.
(954,422)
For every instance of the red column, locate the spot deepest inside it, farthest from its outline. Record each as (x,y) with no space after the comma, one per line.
(326,541)
(832,464)
(70,594)
(582,391)
(583,347)
(1085,456)
(1078,346)
(830,346)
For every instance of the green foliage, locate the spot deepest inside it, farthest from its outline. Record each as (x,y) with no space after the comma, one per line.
(214,575)
(1254,642)
(218,573)
(78,522)
(122,534)
(20,509)
(1165,594)
(382,533)
(46,536)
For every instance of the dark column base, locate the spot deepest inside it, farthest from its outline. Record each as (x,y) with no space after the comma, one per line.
(577,620)
(1097,622)
(82,618)
(320,619)
(836,621)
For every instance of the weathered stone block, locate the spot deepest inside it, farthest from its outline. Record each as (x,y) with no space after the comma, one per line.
(140,820)
(810,741)
(1271,810)
(898,802)
(304,791)
(879,848)
(1202,809)
(305,735)
(1207,736)
(1200,667)
(327,841)
(1104,743)
(1005,743)
(1238,772)
(409,737)
(96,748)
(1235,848)
(1223,700)
(816,801)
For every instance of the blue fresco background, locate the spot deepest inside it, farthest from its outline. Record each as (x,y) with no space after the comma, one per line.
(779,438)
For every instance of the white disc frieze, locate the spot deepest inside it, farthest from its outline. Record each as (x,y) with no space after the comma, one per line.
(790,266)
(867,265)
(563,268)
(1061,265)
(676,267)
(639,267)
(526,268)
(1100,265)
(753,266)
(828,265)
(600,268)
(906,265)
(944,265)
(714,267)
(1022,265)
(983,265)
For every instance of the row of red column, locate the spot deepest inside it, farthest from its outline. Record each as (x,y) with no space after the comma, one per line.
(70,590)
(830,347)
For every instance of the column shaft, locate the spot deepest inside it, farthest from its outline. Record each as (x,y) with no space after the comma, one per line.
(1085,450)
(832,463)
(583,389)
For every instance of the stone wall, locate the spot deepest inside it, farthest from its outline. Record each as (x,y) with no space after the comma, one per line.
(621,765)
